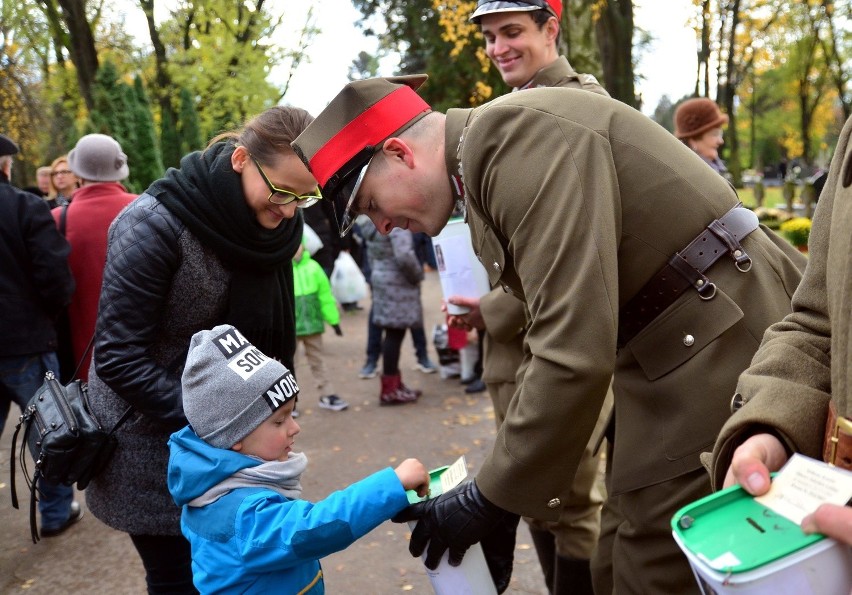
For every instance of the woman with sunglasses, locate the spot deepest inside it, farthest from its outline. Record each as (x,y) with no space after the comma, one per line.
(63,182)
(210,243)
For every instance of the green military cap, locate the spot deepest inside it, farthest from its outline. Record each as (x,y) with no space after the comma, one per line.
(7,146)
(484,7)
(338,145)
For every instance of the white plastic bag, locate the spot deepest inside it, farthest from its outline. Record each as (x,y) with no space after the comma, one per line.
(347,281)
(312,241)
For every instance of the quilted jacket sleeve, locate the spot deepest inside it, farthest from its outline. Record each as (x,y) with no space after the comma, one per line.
(142,258)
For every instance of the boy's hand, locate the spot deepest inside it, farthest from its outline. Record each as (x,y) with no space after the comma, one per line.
(413,476)
(337,330)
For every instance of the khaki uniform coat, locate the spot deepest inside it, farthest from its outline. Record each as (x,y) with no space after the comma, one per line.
(805,361)
(582,199)
(505,318)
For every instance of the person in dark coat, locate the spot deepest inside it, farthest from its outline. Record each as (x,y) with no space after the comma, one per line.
(35,287)
(210,243)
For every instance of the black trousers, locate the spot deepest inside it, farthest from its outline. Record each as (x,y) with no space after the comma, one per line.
(168,563)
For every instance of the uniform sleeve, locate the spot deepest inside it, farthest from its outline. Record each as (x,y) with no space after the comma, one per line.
(503,314)
(557,225)
(273,535)
(787,387)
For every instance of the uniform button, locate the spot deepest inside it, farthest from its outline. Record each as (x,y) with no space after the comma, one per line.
(496,266)
(555,503)
(737,402)
(738,253)
(688,340)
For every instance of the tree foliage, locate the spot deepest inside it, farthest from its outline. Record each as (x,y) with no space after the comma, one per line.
(147,164)
(190,128)
(219,51)
(778,68)
(436,37)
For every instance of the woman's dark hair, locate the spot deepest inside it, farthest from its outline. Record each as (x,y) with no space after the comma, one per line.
(268,135)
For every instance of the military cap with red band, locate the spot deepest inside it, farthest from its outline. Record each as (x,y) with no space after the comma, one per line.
(340,142)
(484,7)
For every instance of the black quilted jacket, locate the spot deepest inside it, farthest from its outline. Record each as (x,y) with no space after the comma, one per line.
(160,286)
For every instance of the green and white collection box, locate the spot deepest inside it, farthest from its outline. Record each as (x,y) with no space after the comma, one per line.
(741,545)
(471,577)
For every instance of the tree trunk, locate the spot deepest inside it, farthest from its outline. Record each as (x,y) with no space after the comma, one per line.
(614,32)
(171,152)
(81,46)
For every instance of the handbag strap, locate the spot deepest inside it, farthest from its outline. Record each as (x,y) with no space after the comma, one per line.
(62,217)
(83,357)
(124,417)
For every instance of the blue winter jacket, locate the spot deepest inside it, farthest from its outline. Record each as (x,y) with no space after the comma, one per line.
(254,540)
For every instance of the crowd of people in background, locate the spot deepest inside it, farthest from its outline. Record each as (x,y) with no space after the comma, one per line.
(84,255)
(147,298)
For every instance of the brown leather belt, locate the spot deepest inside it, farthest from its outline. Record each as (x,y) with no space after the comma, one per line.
(837,448)
(686,269)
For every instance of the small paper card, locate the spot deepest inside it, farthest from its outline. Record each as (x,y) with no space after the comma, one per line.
(803,484)
(454,475)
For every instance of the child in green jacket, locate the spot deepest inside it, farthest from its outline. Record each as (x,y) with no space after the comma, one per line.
(315,305)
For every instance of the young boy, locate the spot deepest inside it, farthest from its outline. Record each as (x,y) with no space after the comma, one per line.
(315,305)
(234,472)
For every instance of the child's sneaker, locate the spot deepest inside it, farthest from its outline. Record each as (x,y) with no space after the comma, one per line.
(333,402)
(426,366)
(369,370)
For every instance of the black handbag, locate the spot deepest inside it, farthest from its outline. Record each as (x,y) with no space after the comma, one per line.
(66,441)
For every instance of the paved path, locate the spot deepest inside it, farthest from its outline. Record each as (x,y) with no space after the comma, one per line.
(341,447)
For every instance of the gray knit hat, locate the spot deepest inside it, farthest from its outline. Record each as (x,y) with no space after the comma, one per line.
(98,158)
(230,387)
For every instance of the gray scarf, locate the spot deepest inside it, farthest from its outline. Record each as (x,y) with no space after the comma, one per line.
(278,476)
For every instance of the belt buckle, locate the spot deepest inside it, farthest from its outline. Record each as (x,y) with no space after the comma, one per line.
(840,424)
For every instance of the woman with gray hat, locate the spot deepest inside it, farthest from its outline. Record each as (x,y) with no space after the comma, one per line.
(210,243)
(99,163)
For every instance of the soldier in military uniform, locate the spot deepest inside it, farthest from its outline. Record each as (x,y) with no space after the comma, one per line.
(797,394)
(636,263)
(520,40)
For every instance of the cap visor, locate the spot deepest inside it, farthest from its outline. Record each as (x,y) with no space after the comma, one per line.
(343,200)
(502,6)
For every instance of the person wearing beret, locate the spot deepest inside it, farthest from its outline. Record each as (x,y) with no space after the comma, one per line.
(99,164)
(36,285)
(637,265)
(520,40)
(698,124)
(796,396)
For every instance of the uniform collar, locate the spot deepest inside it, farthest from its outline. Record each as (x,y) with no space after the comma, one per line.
(552,75)
(454,131)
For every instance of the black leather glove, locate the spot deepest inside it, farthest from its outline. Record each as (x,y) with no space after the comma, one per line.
(337,330)
(455,520)
(499,549)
